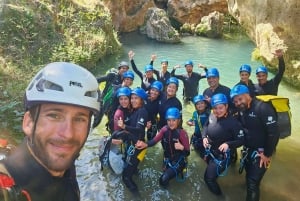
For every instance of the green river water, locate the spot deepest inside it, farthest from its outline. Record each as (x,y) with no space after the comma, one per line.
(281,182)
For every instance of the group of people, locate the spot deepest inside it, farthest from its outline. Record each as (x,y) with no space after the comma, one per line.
(224,119)
(62,98)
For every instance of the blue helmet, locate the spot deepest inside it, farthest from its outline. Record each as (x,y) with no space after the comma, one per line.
(198,98)
(238,90)
(245,68)
(218,99)
(173,113)
(212,72)
(164,61)
(148,68)
(173,80)
(128,74)
(262,69)
(157,85)
(123,63)
(140,93)
(123,91)
(189,62)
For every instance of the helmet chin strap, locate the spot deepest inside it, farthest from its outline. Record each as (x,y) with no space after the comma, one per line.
(35,119)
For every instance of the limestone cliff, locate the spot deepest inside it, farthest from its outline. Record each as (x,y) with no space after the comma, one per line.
(272,24)
(191,11)
(128,15)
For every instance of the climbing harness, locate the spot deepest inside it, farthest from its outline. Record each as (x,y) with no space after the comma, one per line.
(255,155)
(130,152)
(174,167)
(244,154)
(220,163)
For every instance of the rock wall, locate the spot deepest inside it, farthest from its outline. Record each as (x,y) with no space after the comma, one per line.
(272,24)
(128,15)
(191,11)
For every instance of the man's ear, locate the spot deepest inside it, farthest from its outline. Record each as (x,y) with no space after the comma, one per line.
(27,124)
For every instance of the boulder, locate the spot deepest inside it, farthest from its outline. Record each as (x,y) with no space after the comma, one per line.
(211,26)
(157,26)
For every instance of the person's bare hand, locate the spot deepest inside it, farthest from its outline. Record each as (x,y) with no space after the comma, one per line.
(223,147)
(201,66)
(178,145)
(278,53)
(264,160)
(190,123)
(205,142)
(130,54)
(121,123)
(176,66)
(140,145)
(153,57)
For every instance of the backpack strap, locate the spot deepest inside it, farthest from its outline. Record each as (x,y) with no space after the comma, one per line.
(3,170)
(8,188)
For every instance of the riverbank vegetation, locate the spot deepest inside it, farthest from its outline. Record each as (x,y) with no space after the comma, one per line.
(34,33)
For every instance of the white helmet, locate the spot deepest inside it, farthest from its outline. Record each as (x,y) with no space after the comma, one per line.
(66,83)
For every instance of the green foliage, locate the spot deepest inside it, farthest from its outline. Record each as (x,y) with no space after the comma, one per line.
(84,42)
(255,55)
(38,32)
(231,28)
(10,114)
(201,30)
(186,28)
(34,33)
(26,35)
(171,34)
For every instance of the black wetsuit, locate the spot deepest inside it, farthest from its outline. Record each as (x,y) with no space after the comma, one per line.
(220,89)
(152,109)
(261,135)
(32,177)
(136,131)
(271,86)
(162,77)
(251,87)
(146,82)
(190,84)
(218,131)
(174,160)
(112,79)
(199,120)
(164,104)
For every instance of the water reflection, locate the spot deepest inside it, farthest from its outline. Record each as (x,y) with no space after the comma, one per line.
(281,182)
